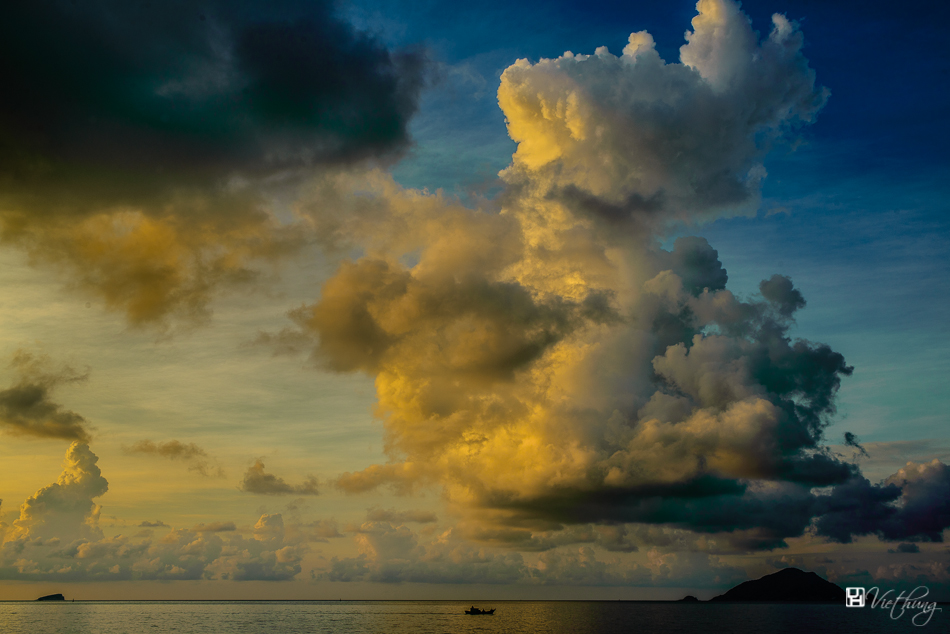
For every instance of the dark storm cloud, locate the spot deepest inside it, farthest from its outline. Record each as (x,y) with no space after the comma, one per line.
(857,508)
(913,504)
(194,88)
(925,502)
(748,519)
(26,407)
(804,379)
(256,480)
(140,141)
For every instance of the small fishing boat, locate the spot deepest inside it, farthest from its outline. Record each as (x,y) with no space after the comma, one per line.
(475,610)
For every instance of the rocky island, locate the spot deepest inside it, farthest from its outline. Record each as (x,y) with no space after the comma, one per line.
(790,585)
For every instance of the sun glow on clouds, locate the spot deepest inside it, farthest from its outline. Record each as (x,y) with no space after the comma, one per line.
(550,365)
(568,369)
(559,377)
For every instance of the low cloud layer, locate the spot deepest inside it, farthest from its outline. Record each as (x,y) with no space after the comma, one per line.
(26,407)
(258,481)
(396,554)
(57,537)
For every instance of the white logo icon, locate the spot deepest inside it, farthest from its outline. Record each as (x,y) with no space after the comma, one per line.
(854,597)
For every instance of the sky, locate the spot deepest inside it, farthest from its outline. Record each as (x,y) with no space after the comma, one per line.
(381,299)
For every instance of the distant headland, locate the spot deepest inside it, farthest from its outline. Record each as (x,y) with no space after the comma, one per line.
(790,585)
(52,597)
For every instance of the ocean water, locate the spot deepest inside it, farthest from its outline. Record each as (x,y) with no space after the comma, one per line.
(446,617)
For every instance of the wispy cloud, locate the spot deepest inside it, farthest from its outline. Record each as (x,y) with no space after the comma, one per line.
(194,456)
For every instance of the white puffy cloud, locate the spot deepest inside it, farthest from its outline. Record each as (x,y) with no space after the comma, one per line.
(65,510)
(637,138)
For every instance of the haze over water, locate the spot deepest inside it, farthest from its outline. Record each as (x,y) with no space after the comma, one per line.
(424,617)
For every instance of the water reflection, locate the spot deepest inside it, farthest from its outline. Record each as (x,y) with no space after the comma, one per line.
(442,617)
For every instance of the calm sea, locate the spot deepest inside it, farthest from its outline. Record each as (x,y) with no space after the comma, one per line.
(441,617)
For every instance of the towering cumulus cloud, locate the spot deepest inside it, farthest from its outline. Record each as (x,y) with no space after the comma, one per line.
(634,139)
(551,365)
(132,135)
(65,511)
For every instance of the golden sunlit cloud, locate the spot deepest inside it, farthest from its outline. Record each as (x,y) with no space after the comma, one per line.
(550,365)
